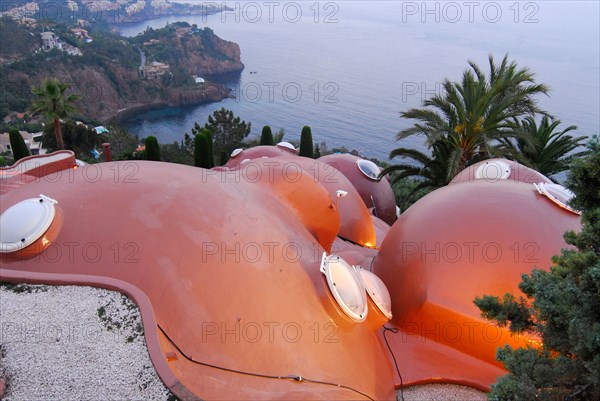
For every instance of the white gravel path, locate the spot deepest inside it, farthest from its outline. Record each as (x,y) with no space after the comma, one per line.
(65,343)
(442,392)
(56,347)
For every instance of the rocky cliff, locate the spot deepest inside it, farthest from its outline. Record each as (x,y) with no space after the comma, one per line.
(197,51)
(107,75)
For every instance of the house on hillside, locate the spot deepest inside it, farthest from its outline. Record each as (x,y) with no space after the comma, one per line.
(80,33)
(154,70)
(14,116)
(50,41)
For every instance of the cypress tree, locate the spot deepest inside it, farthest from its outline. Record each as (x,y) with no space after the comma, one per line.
(306,143)
(152,149)
(17,144)
(266,137)
(202,155)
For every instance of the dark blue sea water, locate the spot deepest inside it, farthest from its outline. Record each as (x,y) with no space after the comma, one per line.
(347,68)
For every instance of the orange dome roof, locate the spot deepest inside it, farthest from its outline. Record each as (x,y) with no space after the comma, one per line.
(225,269)
(500,169)
(462,241)
(374,193)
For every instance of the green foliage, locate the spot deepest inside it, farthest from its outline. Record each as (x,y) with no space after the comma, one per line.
(223,158)
(79,138)
(52,100)
(6,161)
(278,137)
(266,138)
(562,306)
(547,150)
(477,112)
(175,153)
(407,193)
(427,171)
(584,178)
(202,153)
(317,153)
(121,143)
(211,151)
(306,143)
(228,131)
(152,149)
(17,144)
(20,40)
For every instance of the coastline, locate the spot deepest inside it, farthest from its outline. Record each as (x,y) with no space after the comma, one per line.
(126,113)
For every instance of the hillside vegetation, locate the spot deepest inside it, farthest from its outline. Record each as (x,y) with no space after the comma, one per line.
(107,76)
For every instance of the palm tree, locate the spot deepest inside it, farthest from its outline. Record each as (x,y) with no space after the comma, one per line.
(431,171)
(52,100)
(476,114)
(548,151)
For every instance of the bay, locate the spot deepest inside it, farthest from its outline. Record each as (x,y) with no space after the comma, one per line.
(347,68)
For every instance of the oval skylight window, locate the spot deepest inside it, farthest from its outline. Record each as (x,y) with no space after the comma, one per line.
(25,222)
(287,145)
(493,170)
(236,152)
(346,286)
(557,194)
(368,168)
(377,291)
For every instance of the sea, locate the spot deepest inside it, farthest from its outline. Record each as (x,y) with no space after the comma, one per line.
(348,68)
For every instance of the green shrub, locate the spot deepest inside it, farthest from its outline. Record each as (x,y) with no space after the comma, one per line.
(306,143)
(17,144)
(152,149)
(202,155)
(266,138)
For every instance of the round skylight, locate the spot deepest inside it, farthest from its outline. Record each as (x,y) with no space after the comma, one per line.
(287,145)
(346,286)
(368,168)
(493,170)
(377,291)
(557,194)
(25,222)
(236,152)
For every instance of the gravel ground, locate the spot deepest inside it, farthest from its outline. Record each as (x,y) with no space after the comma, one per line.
(442,392)
(73,343)
(83,343)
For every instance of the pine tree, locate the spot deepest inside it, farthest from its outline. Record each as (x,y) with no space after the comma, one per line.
(561,306)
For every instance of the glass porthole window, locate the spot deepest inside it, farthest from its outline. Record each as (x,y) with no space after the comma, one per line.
(377,291)
(346,286)
(287,145)
(25,222)
(236,152)
(557,194)
(368,168)
(493,170)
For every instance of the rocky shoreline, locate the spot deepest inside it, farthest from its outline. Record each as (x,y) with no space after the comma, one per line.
(209,93)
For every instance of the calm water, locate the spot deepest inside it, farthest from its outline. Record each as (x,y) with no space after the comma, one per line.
(348,68)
